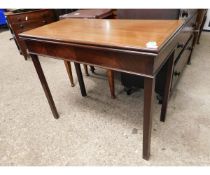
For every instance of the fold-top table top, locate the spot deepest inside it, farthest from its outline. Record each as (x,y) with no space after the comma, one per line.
(114,33)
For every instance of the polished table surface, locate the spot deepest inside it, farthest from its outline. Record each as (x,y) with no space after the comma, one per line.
(119,45)
(128,34)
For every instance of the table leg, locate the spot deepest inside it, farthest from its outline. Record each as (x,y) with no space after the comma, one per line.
(80,79)
(149,84)
(45,87)
(110,75)
(167,87)
(69,71)
(86,69)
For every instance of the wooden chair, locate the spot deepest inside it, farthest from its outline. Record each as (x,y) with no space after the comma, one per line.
(90,14)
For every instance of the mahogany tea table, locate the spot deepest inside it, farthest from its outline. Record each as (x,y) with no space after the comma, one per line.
(139,47)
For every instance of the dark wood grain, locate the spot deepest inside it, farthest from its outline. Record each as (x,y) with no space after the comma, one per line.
(20,22)
(148,13)
(113,45)
(109,33)
(149,84)
(45,87)
(113,59)
(80,79)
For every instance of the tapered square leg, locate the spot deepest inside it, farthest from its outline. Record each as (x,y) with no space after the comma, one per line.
(110,75)
(149,84)
(69,72)
(80,79)
(45,87)
(167,88)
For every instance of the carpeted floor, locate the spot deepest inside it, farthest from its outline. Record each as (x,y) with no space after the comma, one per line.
(98,130)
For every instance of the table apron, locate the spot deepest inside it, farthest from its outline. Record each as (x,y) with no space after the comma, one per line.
(126,61)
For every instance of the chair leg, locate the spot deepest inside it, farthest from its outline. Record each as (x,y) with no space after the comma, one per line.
(92,68)
(110,75)
(69,72)
(86,69)
(80,79)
